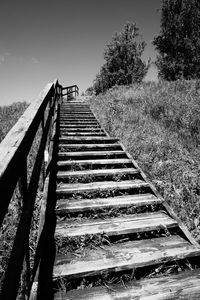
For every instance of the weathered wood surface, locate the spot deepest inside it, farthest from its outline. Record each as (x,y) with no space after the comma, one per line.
(97,140)
(103,172)
(100,186)
(92,154)
(106,162)
(77,126)
(16,145)
(90,147)
(185,285)
(80,117)
(92,129)
(93,134)
(67,206)
(130,255)
(14,150)
(116,226)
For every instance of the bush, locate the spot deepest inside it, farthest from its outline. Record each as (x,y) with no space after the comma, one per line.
(123,64)
(178,42)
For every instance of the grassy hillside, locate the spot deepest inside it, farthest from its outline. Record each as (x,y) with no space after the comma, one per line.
(160,126)
(9,116)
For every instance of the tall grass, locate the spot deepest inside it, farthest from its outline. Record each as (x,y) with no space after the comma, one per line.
(160,126)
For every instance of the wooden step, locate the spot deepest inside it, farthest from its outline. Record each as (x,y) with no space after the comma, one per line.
(98,140)
(79,126)
(64,189)
(77,115)
(125,256)
(84,118)
(78,122)
(74,112)
(101,172)
(90,147)
(95,162)
(185,285)
(65,206)
(91,154)
(77,134)
(116,226)
(92,129)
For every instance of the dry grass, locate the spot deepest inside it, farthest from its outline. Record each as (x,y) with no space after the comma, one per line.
(159,124)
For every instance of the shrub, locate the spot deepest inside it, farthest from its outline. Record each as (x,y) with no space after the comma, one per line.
(123,64)
(178,41)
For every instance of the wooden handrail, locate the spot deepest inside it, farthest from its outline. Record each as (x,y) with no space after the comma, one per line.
(73,89)
(38,120)
(14,150)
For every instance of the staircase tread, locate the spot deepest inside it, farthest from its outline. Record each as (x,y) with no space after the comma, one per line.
(81,205)
(100,185)
(92,146)
(115,226)
(76,134)
(75,138)
(112,161)
(124,256)
(184,285)
(92,153)
(62,174)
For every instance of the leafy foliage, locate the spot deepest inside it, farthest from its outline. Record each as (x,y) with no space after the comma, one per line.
(123,64)
(178,42)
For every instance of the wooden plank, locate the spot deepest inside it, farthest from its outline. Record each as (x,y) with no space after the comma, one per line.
(100,186)
(65,206)
(95,134)
(100,172)
(73,124)
(91,129)
(16,145)
(79,126)
(116,226)
(84,118)
(106,162)
(66,112)
(126,256)
(88,139)
(91,153)
(185,285)
(85,147)
(76,115)
(15,136)
(67,121)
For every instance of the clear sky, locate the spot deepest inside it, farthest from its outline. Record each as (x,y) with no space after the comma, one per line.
(42,40)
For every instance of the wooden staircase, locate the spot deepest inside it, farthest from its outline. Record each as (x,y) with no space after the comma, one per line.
(116,237)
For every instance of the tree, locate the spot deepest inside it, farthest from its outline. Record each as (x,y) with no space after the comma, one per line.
(123,64)
(178,42)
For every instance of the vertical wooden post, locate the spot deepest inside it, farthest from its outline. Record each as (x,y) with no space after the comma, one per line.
(23,189)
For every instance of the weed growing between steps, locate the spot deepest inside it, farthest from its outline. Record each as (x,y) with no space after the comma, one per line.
(106,213)
(105,193)
(77,247)
(159,125)
(95,178)
(125,279)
